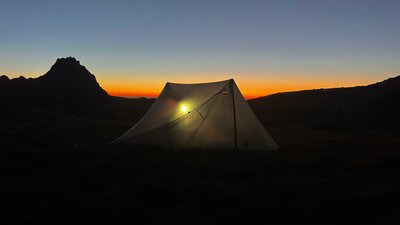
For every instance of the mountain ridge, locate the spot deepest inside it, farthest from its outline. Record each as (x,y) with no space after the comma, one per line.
(375,105)
(392,81)
(69,86)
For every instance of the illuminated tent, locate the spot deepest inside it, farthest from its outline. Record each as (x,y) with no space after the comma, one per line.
(205,115)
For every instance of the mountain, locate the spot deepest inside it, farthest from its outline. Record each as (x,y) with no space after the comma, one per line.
(66,85)
(69,86)
(373,106)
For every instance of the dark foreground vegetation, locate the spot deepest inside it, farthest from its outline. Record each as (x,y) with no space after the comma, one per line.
(56,168)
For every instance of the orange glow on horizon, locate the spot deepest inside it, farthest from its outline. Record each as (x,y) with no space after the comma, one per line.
(249,89)
(132,94)
(252,84)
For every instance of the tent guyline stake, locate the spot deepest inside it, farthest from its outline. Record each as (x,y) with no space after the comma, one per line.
(234,114)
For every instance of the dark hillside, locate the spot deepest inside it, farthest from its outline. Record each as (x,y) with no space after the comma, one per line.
(56,168)
(366,107)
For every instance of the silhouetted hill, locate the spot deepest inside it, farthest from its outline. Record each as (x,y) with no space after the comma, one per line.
(372,106)
(4,79)
(68,78)
(69,86)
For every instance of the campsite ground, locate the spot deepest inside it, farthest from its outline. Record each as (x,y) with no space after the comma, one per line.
(57,169)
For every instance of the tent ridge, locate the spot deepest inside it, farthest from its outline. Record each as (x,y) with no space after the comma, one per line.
(201,83)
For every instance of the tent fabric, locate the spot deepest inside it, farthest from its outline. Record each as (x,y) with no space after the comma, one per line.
(204,115)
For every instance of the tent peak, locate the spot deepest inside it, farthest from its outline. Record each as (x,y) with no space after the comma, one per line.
(201,83)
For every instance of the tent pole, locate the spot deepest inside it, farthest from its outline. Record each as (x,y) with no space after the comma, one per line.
(234,113)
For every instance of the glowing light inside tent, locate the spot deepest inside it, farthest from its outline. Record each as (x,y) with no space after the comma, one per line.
(184,108)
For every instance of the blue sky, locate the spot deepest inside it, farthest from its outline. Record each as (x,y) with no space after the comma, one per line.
(268,46)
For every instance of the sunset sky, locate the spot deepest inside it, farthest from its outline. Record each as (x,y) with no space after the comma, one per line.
(135,47)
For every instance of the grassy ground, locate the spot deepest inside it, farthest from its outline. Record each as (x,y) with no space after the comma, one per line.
(57,169)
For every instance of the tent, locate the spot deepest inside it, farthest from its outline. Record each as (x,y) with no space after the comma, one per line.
(202,115)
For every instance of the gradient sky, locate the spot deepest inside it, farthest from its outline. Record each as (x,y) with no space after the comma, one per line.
(134,47)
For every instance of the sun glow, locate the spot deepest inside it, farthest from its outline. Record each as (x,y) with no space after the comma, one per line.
(184,108)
